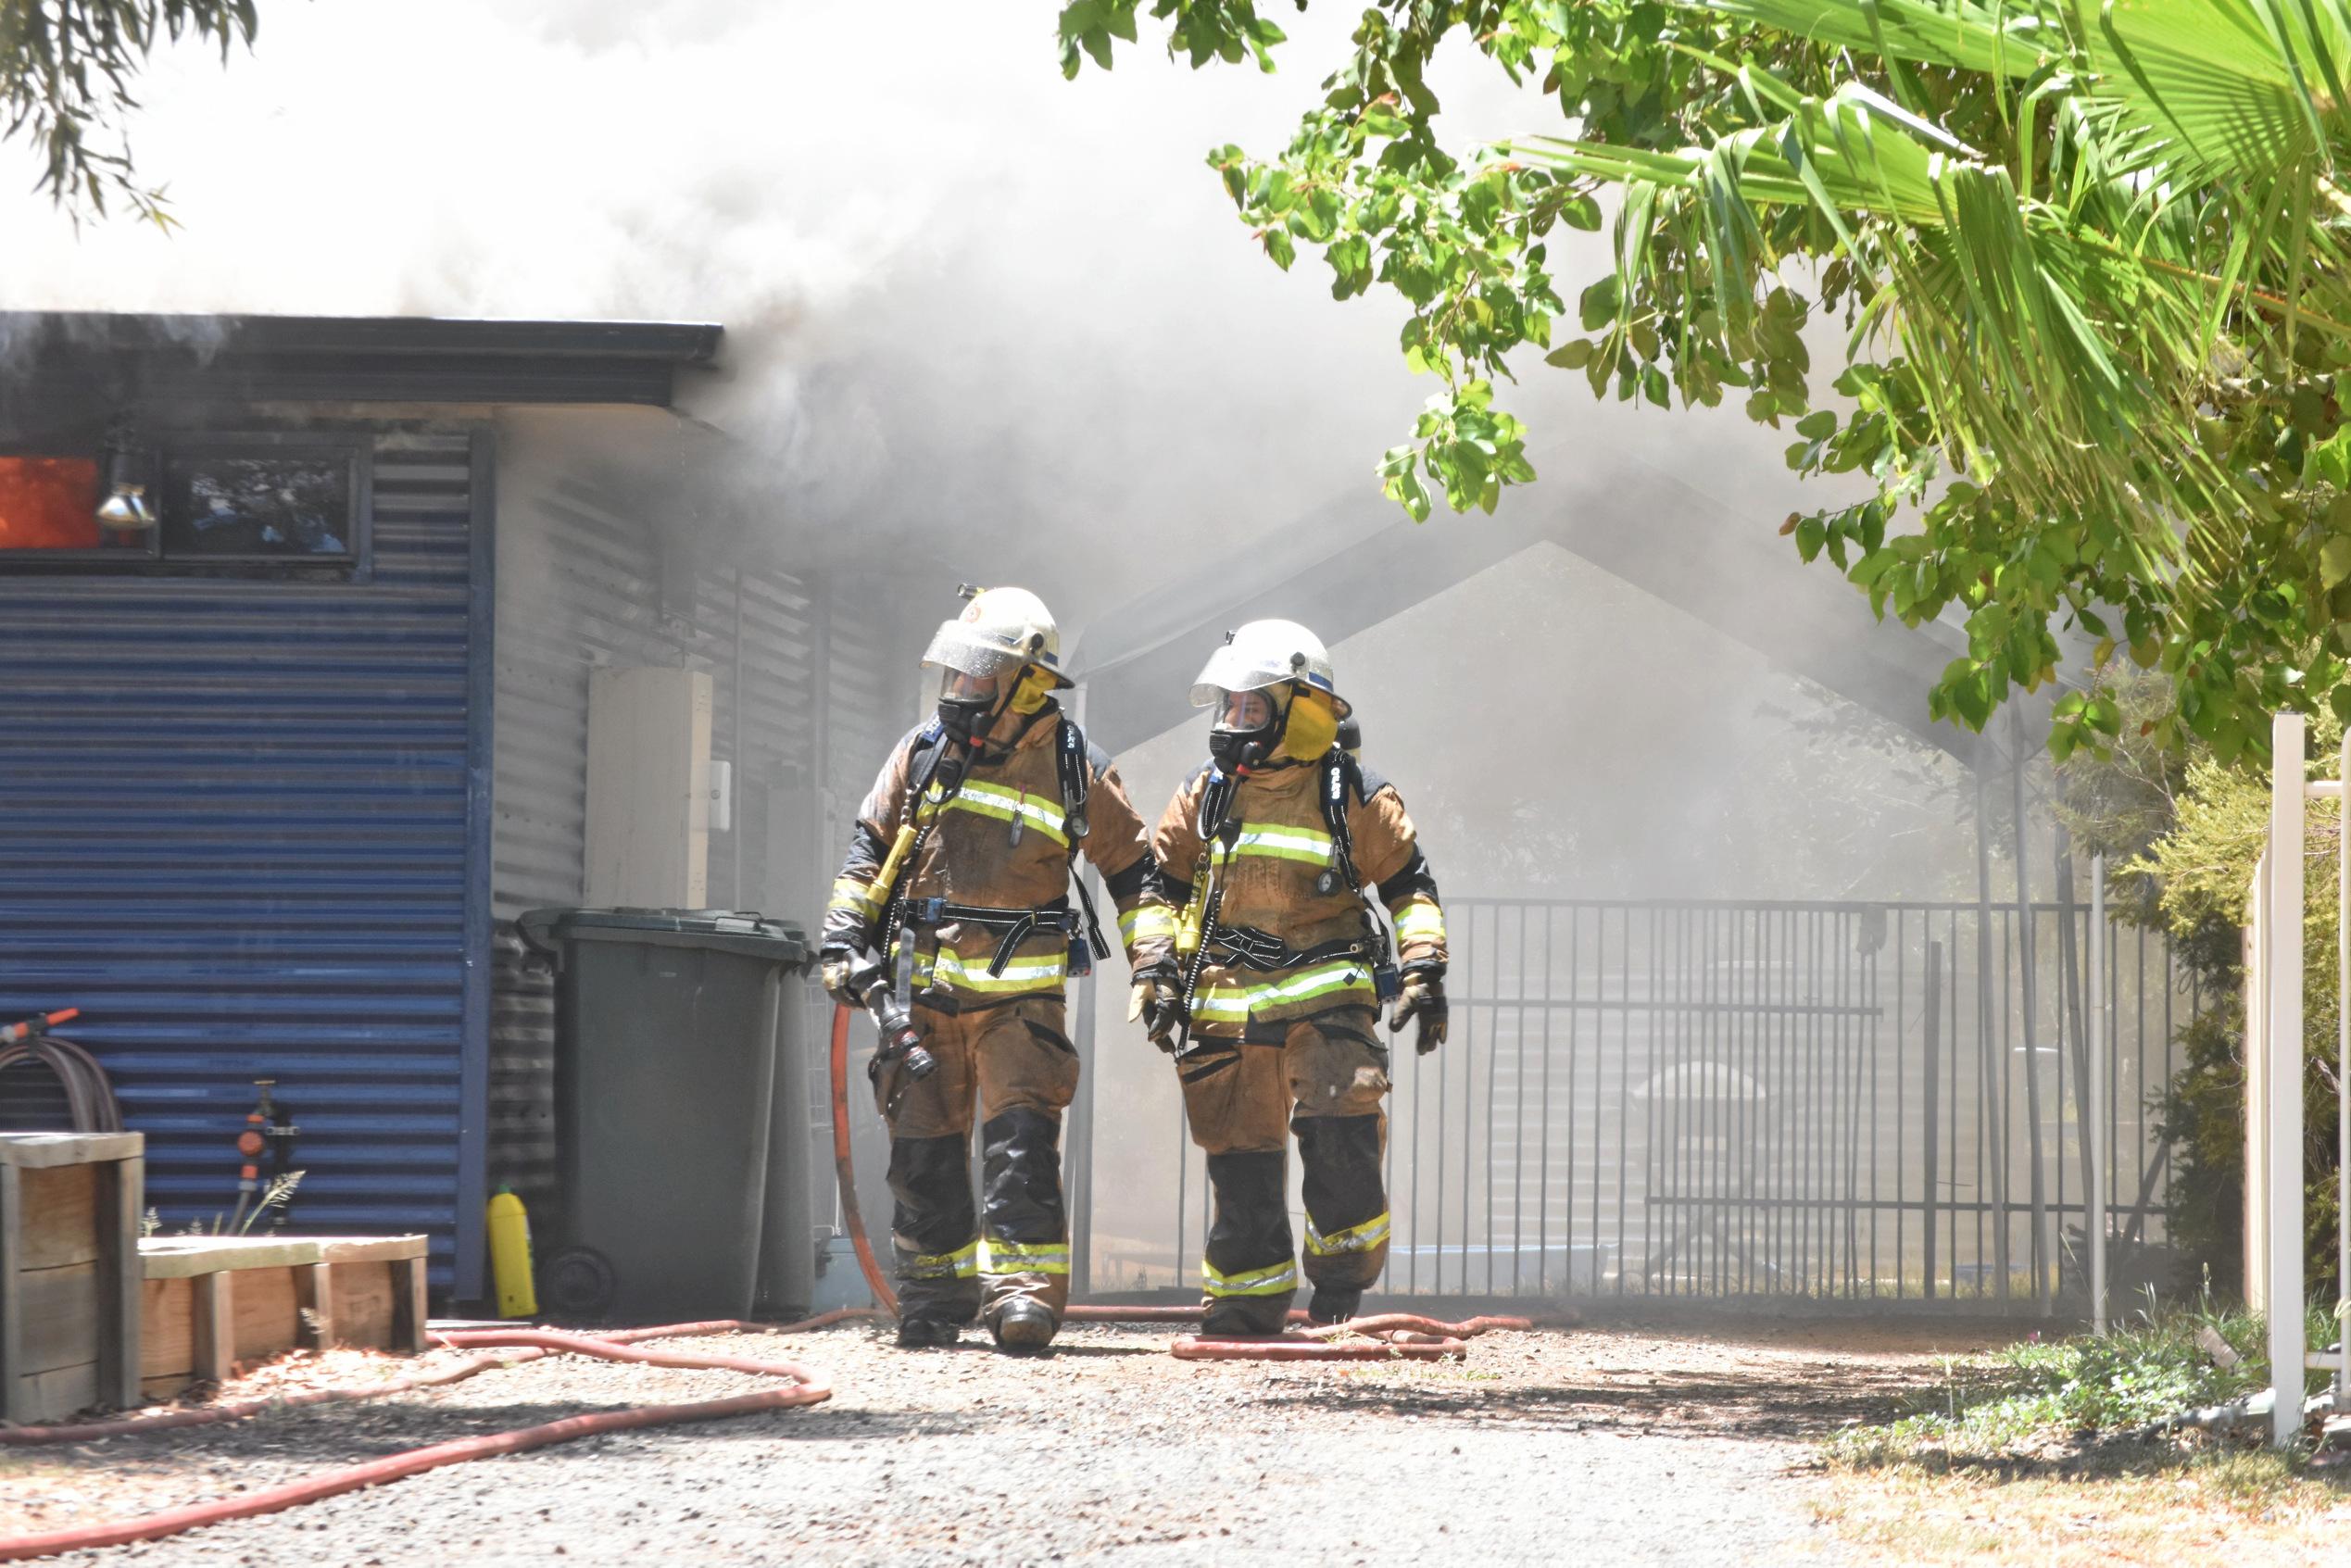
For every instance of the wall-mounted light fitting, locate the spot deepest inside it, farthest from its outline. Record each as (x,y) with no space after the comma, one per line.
(124,508)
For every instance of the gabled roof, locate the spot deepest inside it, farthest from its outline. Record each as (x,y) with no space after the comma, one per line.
(1630,518)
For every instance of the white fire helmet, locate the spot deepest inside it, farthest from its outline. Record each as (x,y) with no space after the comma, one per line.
(1000,629)
(1267,652)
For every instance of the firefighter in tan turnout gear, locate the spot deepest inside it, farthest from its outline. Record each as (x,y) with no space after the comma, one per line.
(1283,972)
(952,918)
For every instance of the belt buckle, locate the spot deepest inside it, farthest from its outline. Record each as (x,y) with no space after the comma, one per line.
(928,911)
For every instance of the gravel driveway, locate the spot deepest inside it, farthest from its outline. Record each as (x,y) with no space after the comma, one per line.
(1588,1445)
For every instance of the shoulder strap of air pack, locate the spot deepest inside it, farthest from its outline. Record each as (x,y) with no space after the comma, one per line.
(1342,777)
(1070,759)
(922,762)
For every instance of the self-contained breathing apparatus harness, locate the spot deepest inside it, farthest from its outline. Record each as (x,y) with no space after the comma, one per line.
(1248,948)
(933,778)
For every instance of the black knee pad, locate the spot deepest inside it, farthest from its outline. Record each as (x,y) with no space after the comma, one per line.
(1343,1182)
(930,1179)
(1253,1212)
(1020,1155)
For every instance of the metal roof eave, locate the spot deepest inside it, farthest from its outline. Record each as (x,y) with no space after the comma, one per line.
(358,359)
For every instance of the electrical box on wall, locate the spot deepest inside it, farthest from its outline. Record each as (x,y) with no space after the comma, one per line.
(648,788)
(722,798)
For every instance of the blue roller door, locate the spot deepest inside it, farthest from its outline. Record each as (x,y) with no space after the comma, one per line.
(233,831)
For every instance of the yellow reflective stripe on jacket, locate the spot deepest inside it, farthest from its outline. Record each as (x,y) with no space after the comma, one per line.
(962,1263)
(1024,1258)
(1235,1000)
(1004,805)
(1420,921)
(848,893)
(1355,1238)
(1284,843)
(1146,923)
(1282,1276)
(1021,974)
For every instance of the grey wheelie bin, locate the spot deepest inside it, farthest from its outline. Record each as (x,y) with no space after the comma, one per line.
(666,1083)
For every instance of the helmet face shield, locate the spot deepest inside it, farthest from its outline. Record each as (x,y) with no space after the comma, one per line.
(960,647)
(958,685)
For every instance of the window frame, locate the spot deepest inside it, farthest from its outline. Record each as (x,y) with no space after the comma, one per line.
(357,447)
(123,560)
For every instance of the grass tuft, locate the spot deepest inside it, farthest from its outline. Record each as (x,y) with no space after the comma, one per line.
(2041,1399)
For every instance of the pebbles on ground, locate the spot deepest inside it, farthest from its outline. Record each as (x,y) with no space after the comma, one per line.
(1619,1446)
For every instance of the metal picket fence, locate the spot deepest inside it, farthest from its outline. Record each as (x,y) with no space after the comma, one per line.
(1728,1101)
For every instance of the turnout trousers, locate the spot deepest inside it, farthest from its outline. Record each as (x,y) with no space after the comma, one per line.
(1326,1076)
(956,1260)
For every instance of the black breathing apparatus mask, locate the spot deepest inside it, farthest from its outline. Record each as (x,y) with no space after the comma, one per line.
(968,704)
(1247,730)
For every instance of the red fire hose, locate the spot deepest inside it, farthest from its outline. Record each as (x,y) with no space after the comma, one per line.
(804,1387)
(1390,1335)
(846,1169)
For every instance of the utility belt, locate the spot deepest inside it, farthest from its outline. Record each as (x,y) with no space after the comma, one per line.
(1246,947)
(1018,926)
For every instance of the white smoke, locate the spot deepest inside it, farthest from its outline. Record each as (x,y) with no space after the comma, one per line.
(982,322)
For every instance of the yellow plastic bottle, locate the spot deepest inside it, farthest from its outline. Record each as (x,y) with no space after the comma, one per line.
(509,1226)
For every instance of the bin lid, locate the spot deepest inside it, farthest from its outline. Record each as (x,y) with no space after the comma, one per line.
(727,931)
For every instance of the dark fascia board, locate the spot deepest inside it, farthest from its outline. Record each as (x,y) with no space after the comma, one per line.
(329,358)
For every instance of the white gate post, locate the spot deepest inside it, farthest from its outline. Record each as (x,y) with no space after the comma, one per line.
(2283,1178)
(2343,1076)
(2095,1122)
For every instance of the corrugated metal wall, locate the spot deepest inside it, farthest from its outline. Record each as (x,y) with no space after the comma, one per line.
(580,587)
(232,831)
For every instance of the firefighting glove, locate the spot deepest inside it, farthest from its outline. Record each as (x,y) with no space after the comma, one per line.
(1158,999)
(845,974)
(1423,997)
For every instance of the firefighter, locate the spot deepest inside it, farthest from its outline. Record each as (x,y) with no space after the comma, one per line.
(1284,835)
(955,898)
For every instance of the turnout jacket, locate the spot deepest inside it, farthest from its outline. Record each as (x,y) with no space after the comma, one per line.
(1000,841)
(1270,865)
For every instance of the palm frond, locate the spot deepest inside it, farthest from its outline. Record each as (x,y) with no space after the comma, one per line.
(2013,38)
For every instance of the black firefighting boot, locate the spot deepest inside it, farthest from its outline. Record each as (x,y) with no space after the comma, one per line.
(1330,1305)
(926,1334)
(1248,1270)
(1021,1326)
(936,1236)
